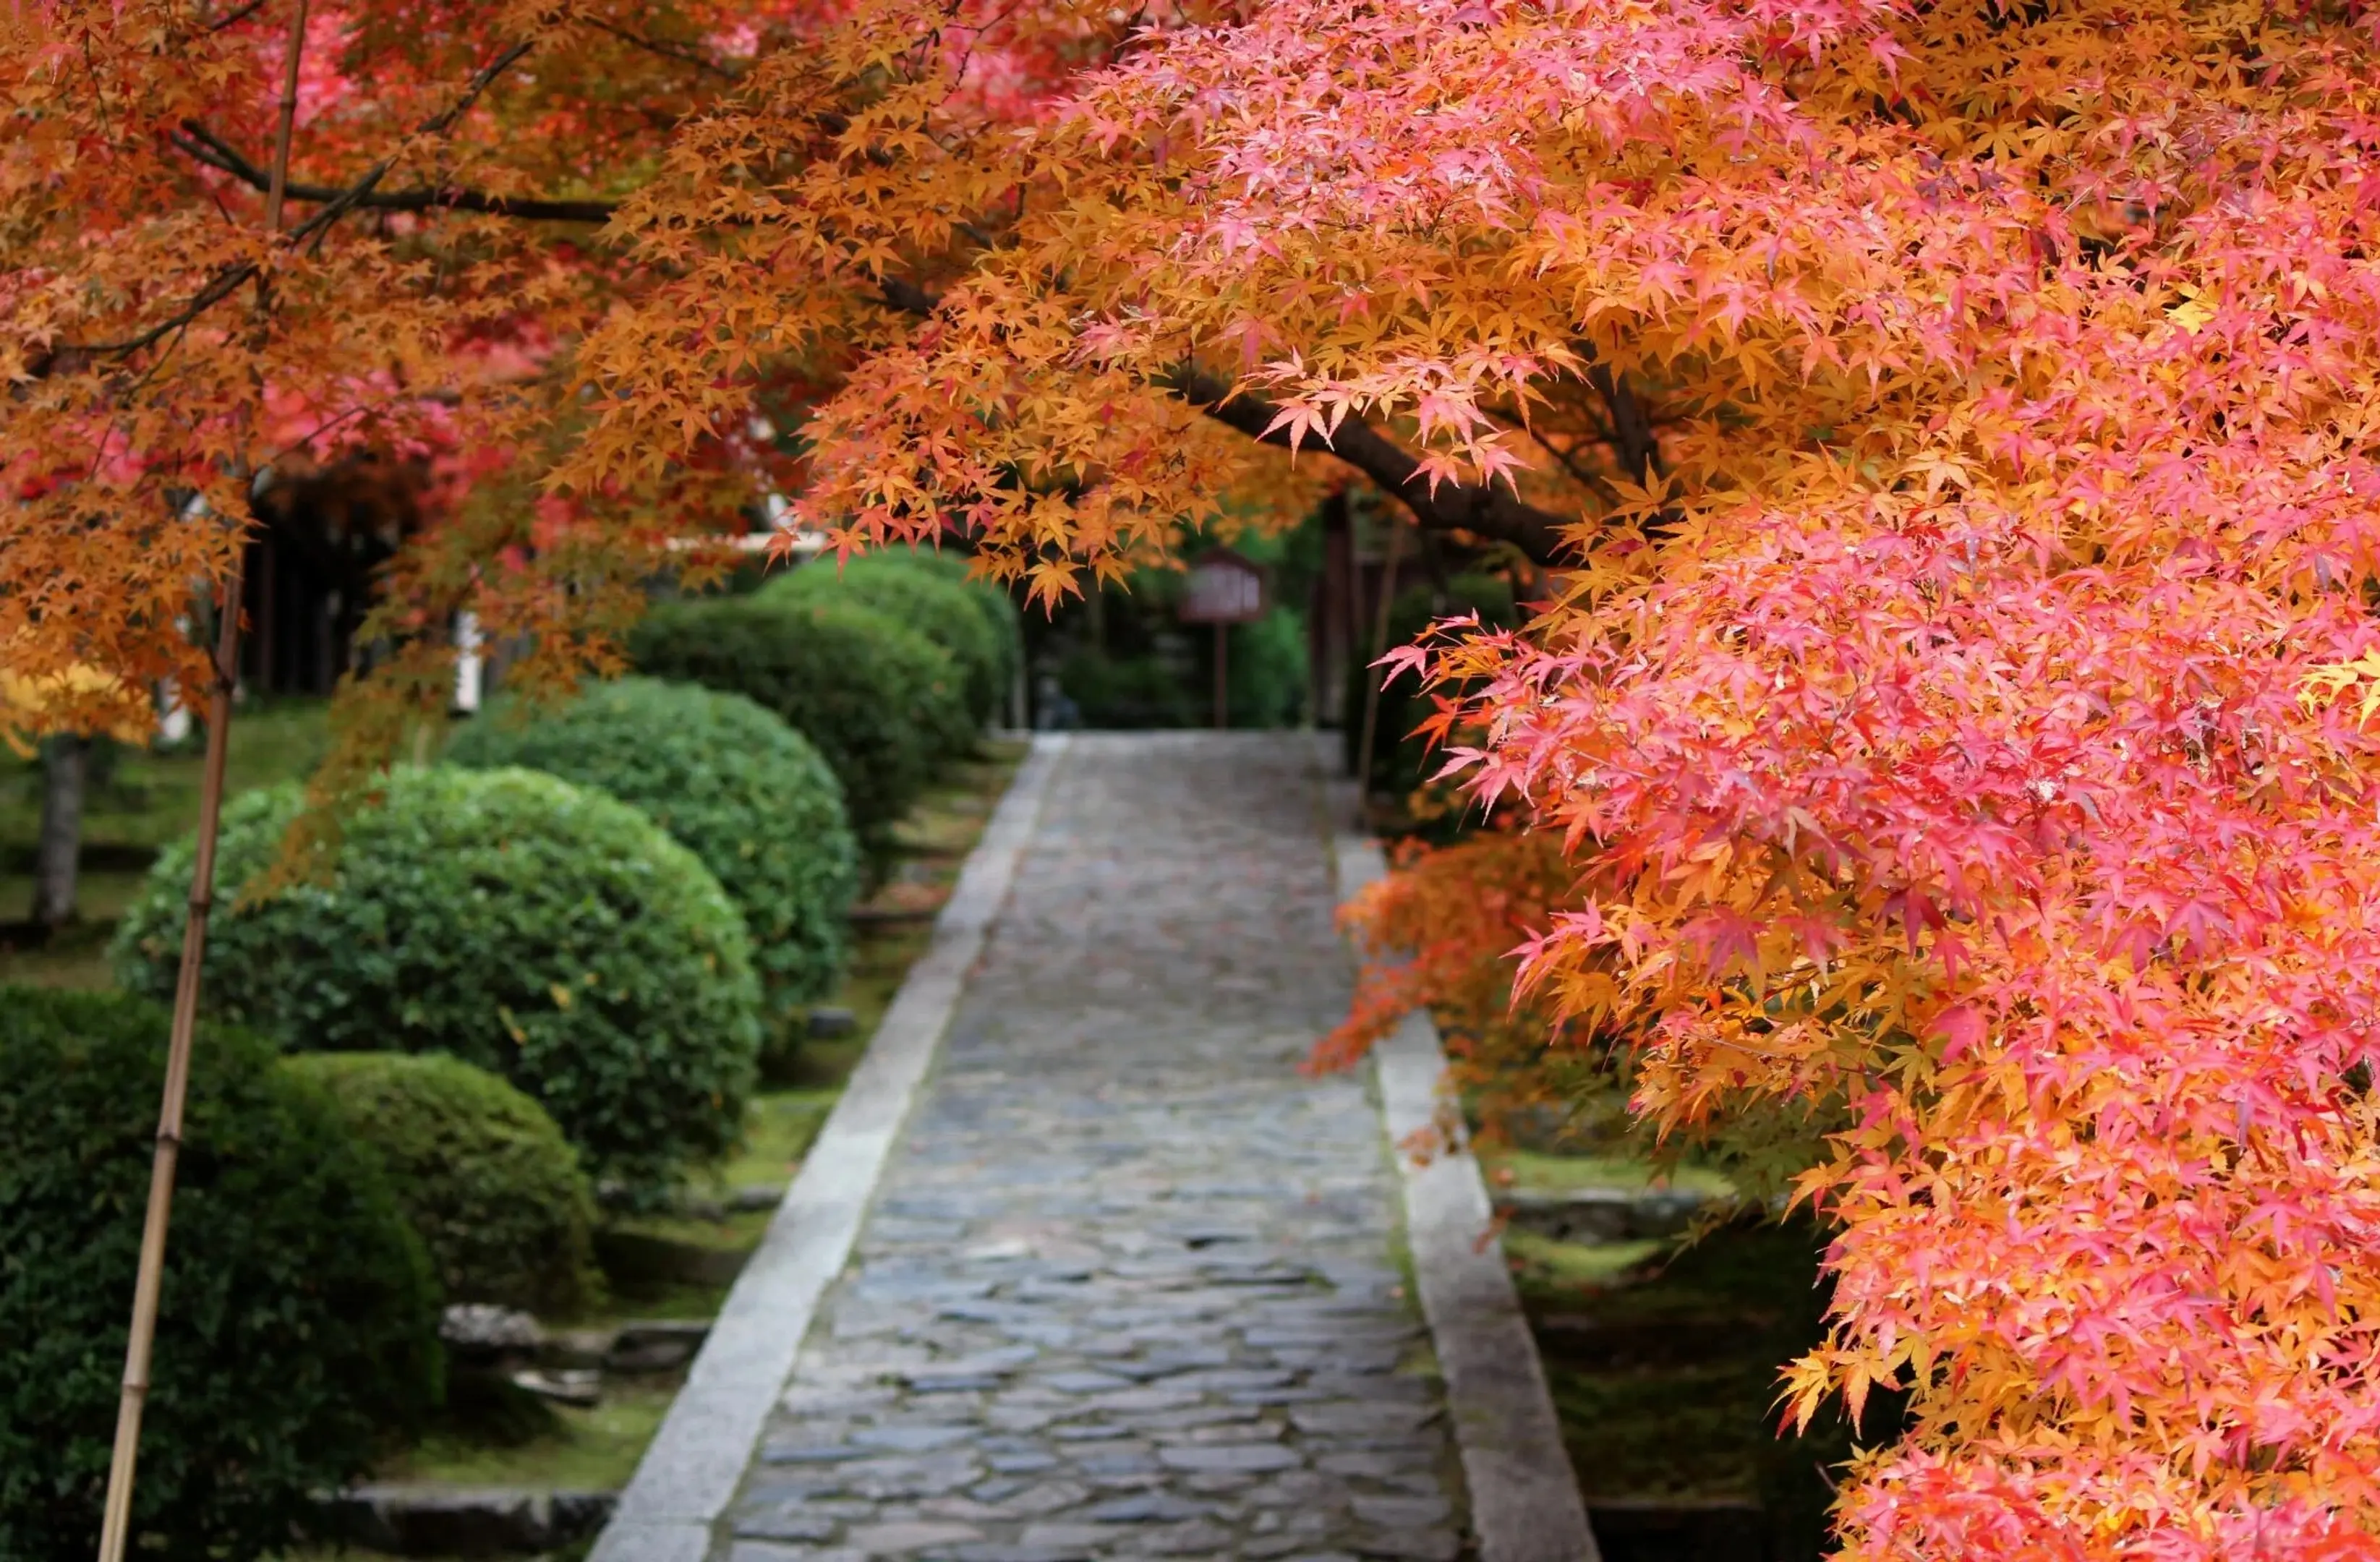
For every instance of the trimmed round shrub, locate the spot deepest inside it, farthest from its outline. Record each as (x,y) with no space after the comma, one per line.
(991,599)
(487,1181)
(916,594)
(298,1332)
(880,701)
(731,783)
(543,931)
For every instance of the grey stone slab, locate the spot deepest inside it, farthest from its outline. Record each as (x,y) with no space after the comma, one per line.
(1524,1501)
(1234,1456)
(902,1538)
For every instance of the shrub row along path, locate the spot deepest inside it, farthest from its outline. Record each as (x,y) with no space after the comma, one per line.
(1129,1288)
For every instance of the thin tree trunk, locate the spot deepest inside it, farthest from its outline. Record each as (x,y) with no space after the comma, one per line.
(65,774)
(116,1522)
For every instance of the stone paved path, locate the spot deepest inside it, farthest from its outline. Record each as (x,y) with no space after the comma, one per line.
(1129,1287)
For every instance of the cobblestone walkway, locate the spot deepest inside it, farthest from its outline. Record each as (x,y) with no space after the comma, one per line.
(1129,1286)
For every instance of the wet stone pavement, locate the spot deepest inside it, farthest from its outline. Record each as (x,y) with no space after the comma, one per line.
(1129,1286)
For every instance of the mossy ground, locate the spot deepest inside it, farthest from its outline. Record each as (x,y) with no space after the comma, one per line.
(594,1449)
(1664,1359)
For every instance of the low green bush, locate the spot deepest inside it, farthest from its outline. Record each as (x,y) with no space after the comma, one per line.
(485,1177)
(992,600)
(544,931)
(910,589)
(298,1330)
(732,783)
(880,701)
(1131,692)
(1265,671)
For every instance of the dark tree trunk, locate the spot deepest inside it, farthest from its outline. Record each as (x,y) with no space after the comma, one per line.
(66,772)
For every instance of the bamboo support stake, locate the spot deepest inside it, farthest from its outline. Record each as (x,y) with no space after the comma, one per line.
(116,1527)
(115,1524)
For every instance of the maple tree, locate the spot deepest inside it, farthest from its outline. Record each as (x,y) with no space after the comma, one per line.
(1955,712)
(1964,719)
(1953,421)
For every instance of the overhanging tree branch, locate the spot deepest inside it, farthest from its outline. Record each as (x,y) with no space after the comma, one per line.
(226,282)
(211,150)
(1483,509)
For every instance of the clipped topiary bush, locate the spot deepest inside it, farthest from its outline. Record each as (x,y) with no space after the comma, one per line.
(483,1173)
(541,930)
(299,1331)
(991,599)
(881,702)
(909,591)
(732,783)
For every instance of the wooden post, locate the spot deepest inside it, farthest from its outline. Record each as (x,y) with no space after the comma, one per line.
(1371,675)
(1222,676)
(1331,639)
(1224,589)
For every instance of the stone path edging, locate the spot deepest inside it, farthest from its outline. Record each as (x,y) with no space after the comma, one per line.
(1524,1501)
(691,1473)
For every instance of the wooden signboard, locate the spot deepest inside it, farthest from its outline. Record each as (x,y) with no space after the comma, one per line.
(1224,588)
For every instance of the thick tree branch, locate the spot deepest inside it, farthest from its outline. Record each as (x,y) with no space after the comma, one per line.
(241,15)
(227,281)
(680,53)
(1632,427)
(436,124)
(211,150)
(1482,508)
(907,296)
(222,285)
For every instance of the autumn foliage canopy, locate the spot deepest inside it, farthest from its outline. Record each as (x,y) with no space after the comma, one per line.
(1953,424)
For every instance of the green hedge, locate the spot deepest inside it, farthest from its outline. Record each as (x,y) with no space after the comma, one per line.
(485,1177)
(881,702)
(914,589)
(732,785)
(992,600)
(544,931)
(298,1330)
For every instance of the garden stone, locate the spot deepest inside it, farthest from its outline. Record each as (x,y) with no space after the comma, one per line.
(564,1387)
(788,1523)
(661,1345)
(894,1540)
(575,1347)
(410,1519)
(477,1332)
(1229,1456)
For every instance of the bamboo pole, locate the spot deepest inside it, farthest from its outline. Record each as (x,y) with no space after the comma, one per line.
(1379,649)
(115,1524)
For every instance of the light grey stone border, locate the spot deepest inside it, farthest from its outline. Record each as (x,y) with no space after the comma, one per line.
(1524,1501)
(690,1472)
